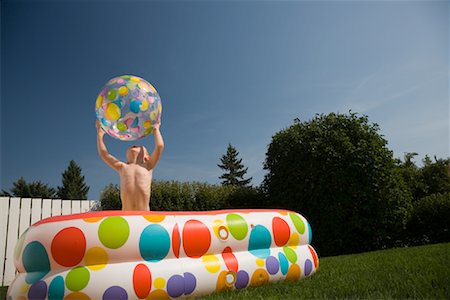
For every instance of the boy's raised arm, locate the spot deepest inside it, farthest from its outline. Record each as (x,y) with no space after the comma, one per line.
(110,160)
(159,146)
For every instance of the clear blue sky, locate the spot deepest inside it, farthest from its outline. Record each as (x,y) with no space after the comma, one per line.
(227,72)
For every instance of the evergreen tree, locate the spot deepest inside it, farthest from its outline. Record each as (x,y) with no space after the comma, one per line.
(234,169)
(35,189)
(73,185)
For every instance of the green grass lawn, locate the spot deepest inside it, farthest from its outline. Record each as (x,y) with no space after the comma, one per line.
(418,272)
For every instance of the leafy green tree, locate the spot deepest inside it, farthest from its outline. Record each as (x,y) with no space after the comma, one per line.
(435,176)
(234,169)
(337,171)
(73,185)
(36,189)
(110,197)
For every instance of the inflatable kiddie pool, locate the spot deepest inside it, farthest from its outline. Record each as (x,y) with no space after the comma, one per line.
(154,255)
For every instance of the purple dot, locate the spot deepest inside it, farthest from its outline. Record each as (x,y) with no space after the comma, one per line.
(175,286)
(308,267)
(189,283)
(115,292)
(38,290)
(241,279)
(272,265)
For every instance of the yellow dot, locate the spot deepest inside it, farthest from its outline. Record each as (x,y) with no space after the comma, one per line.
(93,219)
(99,102)
(158,294)
(112,112)
(212,263)
(260,262)
(22,298)
(96,258)
(294,240)
(147,124)
(155,218)
(134,78)
(123,90)
(24,288)
(153,115)
(293,273)
(77,296)
(259,277)
(159,283)
(144,105)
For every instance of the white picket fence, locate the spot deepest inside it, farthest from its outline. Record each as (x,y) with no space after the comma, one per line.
(17,214)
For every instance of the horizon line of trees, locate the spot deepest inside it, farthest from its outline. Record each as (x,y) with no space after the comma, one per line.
(334,169)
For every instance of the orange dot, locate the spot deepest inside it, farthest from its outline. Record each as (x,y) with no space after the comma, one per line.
(142,281)
(281,231)
(155,218)
(158,294)
(77,296)
(259,277)
(230,260)
(68,246)
(196,238)
(176,241)
(93,219)
(293,273)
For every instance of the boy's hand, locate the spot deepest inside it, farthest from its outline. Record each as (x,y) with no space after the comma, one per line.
(157,125)
(100,130)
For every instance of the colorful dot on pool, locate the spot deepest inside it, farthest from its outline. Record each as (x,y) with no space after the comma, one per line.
(242,279)
(230,259)
(211,262)
(272,265)
(38,291)
(260,262)
(77,279)
(35,261)
(175,286)
(159,283)
(294,240)
(113,232)
(68,246)
(260,240)
(115,292)
(96,258)
(142,281)
(155,218)
(190,282)
(281,231)
(284,263)
(298,222)
(56,289)
(308,267)
(290,254)
(176,241)
(237,226)
(154,243)
(77,296)
(158,294)
(196,238)
(293,273)
(259,277)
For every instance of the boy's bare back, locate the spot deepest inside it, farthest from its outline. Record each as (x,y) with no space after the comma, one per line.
(136,173)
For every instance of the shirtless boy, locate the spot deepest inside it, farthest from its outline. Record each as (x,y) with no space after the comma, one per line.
(136,173)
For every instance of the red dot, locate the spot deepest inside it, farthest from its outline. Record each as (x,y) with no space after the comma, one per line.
(142,281)
(176,241)
(196,238)
(281,231)
(68,246)
(314,256)
(230,260)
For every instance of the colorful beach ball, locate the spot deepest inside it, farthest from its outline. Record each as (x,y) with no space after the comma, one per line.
(128,107)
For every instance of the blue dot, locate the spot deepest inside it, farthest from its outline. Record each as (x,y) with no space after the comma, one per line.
(38,291)
(260,240)
(135,106)
(284,264)
(35,261)
(310,233)
(154,243)
(56,289)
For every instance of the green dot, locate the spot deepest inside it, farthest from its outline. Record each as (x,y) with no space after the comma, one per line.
(237,225)
(112,94)
(298,222)
(113,232)
(122,126)
(77,279)
(290,254)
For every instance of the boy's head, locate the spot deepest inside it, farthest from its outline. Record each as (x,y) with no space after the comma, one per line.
(137,154)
